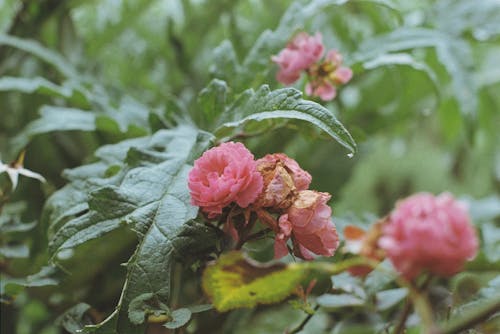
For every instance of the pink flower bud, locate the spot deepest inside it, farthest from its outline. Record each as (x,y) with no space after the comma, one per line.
(283,177)
(223,175)
(311,227)
(429,233)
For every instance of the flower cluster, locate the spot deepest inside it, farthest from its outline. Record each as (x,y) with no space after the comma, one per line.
(303,54)
(229,185)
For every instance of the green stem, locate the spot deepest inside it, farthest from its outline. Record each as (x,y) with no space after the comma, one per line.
(402,319)
(423,309)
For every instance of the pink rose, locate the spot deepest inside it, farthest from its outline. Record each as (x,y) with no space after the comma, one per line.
(283,177)
(429,233)
(303,51)
(308,223)
(222,175)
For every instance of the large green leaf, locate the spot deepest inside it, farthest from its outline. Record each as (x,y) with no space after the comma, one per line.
(141,183)
(285,103)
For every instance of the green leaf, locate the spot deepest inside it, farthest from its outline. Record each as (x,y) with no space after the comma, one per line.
(402,59)
(453,53)
(150,195)
(73,319)
(340,300)
(14,251)
(212,101)
(143,305)
(235,281)
(349,284)
(225,63)
(200,308)
(52,119)
(32,85)
(44,277)
(180,317)
(491,237)
(36,49)
(388,298)
(285,103)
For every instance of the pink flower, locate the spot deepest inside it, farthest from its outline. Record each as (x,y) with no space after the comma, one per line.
(223,175)
(303,51)
(326,76)
(322,89)
(308,223)
(291,65)
(310,47)
(342,75)
(429,233)
(334,58)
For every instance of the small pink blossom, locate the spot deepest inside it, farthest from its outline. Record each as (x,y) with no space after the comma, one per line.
(342,75)
(303,51)
(334,58)
(429,233)
(308,223)
(223,175)
(322,89)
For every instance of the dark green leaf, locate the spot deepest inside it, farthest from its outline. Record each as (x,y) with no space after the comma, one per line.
(73,319)
(285,103)
(14,251)
(212,101)
(143,305)
(52,119)
(150,195)
(388,298)
(340,300)
(42,278)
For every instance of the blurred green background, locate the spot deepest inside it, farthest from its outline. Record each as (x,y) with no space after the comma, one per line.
(423,106)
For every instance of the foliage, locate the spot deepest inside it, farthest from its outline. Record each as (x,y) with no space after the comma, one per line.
(114,100)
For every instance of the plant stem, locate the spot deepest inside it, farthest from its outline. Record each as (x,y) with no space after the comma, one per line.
(467,321)
(304,322)
(402,319)
(423,309)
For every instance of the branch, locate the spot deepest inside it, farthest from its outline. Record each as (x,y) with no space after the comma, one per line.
(304,322)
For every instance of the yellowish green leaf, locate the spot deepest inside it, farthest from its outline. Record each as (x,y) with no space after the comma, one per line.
(235,281)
